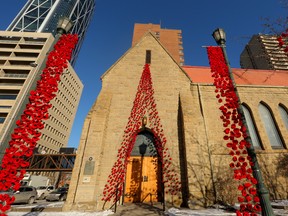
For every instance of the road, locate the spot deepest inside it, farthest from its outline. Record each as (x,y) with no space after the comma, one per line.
(38,205)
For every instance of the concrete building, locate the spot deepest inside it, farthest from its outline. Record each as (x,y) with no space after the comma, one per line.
(263,52)
(185,105)
(43,16)
(21,57)
(170,38)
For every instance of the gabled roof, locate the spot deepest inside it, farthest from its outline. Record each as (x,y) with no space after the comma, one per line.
(201,74)
(137,44)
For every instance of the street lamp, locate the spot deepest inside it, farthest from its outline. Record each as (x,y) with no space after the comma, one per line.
(64,25)
(220,38)
(142,149)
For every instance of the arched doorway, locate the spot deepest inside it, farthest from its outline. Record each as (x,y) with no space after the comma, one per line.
(143,177)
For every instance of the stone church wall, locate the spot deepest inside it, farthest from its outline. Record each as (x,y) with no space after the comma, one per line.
(190,115)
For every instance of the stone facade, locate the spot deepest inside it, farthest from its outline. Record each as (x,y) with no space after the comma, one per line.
(189,113)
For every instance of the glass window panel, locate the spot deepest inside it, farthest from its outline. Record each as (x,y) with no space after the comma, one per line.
(270,127)
(5,107)
(8,97)
(2,119)
(251,127)
(284,115)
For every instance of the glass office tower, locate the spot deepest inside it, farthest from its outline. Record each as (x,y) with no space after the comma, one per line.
(43,15)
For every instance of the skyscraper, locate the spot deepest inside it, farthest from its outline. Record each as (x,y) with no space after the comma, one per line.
(23,49)
(170,38)
(263,52)
(21,57)
(43,16)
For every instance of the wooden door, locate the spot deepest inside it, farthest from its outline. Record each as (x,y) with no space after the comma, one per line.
(142,177)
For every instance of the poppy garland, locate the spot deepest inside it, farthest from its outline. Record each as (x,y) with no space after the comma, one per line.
(234,133)
(27,132)
(144,105)
(281,41)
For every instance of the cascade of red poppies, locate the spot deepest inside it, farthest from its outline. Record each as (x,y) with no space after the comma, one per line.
(234,133)
(27,132)
(144,105)
(281,41)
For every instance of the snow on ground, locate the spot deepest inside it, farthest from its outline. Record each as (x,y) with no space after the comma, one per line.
(103,213)
(169,212)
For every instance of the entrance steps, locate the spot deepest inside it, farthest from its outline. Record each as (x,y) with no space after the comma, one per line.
(139,209)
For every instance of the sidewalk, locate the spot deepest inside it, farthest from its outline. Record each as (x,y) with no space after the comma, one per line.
(140,209)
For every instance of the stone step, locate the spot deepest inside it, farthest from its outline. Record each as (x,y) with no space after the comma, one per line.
(139,209)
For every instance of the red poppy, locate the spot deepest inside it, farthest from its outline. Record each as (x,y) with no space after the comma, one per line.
(248,198)
(254,181)
(241,199)
(247,185)
(256,199)
(226,131)
(253,191)
(257,208)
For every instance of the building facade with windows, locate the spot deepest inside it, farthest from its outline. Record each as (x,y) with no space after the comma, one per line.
(263,52)
(43,16)
(22,54)
(185,105)
(170,38)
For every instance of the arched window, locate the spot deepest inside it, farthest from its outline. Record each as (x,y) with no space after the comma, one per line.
(284,114)
(270,126)
(144,144)
(251,127)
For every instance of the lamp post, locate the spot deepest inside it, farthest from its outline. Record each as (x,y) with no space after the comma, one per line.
(220,38)
(64,25)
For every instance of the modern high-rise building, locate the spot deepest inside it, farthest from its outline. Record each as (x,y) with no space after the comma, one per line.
(170,38)
(22,55)
(43,16)
(263,52)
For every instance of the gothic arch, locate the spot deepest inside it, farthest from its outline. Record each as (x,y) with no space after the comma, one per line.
(144,170)
(284,114)
(252,127)
(270,125)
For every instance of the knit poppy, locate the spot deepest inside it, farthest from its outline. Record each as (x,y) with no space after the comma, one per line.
(256,199)
(241,199)
(257,208)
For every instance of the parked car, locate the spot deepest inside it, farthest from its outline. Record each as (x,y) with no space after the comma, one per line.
(59,194)
(43,191)
(25,194)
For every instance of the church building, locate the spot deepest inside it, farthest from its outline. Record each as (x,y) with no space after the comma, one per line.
(154,134)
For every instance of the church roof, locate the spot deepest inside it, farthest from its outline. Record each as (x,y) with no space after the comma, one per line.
(202,74)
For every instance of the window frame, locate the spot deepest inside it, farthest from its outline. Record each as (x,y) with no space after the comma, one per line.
(271,127)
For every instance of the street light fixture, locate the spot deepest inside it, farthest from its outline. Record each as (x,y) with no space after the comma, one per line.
(220,38)
(142,149)
(64,25)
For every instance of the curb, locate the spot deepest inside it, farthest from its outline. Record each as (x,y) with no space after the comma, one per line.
(37,209)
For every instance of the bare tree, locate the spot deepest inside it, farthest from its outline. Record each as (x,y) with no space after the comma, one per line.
(279,25)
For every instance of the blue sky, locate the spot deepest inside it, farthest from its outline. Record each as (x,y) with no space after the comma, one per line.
(110,34)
